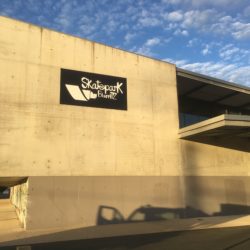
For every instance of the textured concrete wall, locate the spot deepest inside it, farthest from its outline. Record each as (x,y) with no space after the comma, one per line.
(19,198)
(83,201)
(218,195)
(217,156)
(72,140)
(138,150)
(216,174)
(68,201)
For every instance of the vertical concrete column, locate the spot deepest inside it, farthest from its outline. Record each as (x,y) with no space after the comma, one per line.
(19,198)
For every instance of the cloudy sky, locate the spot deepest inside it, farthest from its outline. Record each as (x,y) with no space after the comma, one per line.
(206,36)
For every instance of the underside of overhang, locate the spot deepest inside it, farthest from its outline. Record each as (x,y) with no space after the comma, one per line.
(213,111)
(11,181)
(205,88)
(202,97)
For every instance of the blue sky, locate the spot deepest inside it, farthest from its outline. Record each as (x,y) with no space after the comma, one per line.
(206,36)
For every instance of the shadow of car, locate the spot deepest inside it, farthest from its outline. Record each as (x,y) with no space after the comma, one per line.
(111,215)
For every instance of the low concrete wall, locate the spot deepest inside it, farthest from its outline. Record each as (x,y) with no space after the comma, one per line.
(218,195)
(68,201)
(88,201)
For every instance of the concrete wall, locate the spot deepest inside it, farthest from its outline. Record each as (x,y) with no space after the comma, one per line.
(216,157)
(123,159)
(84,201)
(19,198)
(218,195)
(40,137)
(77,200)
(216,174)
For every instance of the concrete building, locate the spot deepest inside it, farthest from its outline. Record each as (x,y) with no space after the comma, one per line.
(93,135)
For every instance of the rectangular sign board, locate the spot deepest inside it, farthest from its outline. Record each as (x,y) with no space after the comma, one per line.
(93,90)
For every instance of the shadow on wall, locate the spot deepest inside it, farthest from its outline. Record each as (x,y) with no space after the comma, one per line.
(109,215)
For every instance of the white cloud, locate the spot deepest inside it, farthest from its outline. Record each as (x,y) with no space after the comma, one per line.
(207,21)
(185,33)
(63,22)
(192,42)
(198,19)
(171,26)
(143,50)
(179,63)
(231,26)
(121,21)
(242,75)
(181,32)
(110,26)
(149,22)
(227,51)
(209,3)
(202,4)
(171,1)
(247,11)
(241,30)
(167,40)
(146,48)
(86,29)
(233,53)
(232,72)
(181,17)
(174,16)
(152,41)
(206,50)
(128,37)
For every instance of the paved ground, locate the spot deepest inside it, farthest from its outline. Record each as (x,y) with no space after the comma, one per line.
(8,217)
(208,233)
(237,238)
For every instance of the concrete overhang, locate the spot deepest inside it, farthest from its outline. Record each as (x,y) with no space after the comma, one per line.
(211,80)
(212,90)
(11,181)
(223,125)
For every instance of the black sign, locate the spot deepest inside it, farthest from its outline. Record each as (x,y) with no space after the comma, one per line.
(93,90)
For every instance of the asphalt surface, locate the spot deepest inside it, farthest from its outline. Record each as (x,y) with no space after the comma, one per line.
(236,238)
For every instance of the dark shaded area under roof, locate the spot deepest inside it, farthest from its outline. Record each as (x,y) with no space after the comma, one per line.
(213,111)
(201,97)
(210,89)
(11,181)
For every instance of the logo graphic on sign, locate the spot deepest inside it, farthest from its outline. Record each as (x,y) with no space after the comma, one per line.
(93,90)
